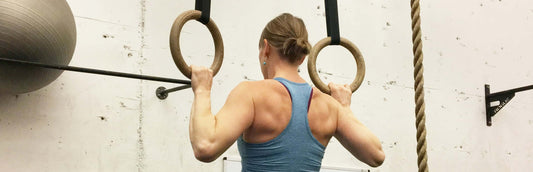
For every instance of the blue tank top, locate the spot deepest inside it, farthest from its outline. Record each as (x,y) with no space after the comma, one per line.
(294,149)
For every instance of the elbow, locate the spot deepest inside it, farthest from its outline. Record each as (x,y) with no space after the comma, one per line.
(378,159)
(204,158)
(205,153)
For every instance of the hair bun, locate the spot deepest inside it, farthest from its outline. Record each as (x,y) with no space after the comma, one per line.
(295,47)
(288,35)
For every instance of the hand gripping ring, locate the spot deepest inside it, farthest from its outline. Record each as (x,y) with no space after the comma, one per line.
(175,42)
(311,65)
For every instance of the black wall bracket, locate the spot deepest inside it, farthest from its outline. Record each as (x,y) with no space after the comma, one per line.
(502,98)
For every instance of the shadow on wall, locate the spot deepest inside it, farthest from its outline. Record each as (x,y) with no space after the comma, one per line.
(7,101)
(11,113)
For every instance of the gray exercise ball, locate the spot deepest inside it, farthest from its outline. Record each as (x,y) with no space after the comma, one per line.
(41,31)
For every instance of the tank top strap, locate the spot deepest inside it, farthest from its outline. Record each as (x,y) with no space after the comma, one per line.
(300,95)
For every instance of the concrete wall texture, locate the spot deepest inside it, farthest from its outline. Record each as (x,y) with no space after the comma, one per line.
(84,122)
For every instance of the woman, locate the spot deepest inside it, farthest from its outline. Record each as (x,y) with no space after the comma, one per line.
(280,123)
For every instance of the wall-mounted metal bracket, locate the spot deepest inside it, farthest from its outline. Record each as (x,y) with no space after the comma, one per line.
(162,92)
(502,98)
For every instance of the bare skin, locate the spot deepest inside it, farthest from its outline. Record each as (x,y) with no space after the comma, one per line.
(261,110)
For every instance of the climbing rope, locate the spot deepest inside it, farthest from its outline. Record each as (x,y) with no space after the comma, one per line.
(419,87)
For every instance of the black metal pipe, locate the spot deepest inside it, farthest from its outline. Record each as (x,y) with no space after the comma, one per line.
(96,71)
(511,91)
(166,91)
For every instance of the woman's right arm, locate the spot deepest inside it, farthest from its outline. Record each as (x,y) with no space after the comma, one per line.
(352,134)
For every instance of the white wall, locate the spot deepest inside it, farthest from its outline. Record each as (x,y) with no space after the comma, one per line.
(85,122)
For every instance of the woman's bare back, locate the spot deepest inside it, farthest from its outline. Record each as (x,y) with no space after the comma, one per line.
(273,108)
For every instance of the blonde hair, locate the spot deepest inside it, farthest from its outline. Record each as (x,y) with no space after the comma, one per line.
(288,34)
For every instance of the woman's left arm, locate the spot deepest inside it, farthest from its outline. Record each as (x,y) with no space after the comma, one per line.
(212,135)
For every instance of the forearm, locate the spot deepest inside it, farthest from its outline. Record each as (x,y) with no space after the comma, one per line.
(202,122)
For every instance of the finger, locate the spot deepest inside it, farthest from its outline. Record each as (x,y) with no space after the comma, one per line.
(347,86)
(198,69)
(334,86)
(195,68)
(331,85)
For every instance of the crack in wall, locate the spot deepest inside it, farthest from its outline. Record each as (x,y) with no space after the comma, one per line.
(103,21)
(140,142)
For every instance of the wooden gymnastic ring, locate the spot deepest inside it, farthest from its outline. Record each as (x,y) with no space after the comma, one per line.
(175,42)
(311,65)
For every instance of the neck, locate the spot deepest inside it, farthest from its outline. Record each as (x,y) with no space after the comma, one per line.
(285,70)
